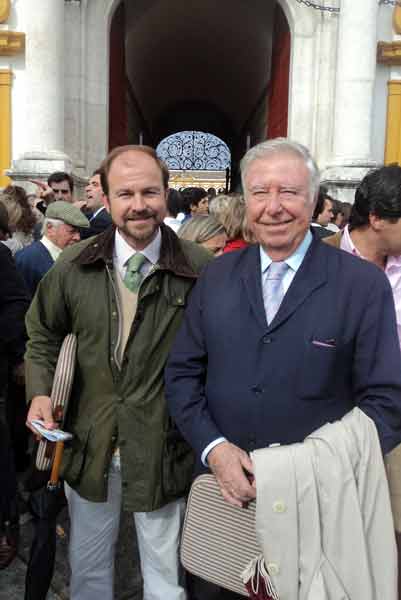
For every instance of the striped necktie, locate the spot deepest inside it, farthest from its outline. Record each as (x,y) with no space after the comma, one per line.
(273,290)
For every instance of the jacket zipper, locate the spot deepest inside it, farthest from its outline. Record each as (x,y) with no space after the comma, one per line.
(119,319)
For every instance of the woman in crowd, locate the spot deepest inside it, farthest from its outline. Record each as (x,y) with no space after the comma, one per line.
(14,302)
(230,211)
(21,218)
(206,231)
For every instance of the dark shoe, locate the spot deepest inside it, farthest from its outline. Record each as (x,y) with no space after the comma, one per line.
(9,536)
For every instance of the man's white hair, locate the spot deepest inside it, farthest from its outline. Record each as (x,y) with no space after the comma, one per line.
(283,145)
(52,222)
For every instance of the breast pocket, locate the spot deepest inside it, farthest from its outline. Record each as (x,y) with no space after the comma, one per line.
(317,370)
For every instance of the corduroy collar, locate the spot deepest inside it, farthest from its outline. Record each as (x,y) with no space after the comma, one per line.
(172,257)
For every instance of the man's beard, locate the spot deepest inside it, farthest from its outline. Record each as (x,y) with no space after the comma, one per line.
(146,229)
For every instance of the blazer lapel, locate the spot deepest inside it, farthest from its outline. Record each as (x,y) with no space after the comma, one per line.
(252,281)
(311,275)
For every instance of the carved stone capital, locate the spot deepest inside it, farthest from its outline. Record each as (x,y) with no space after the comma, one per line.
(389,53)
(11,42)
(4,10)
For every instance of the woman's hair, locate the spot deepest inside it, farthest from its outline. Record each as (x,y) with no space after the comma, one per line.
(230,211)
(200,228)
(20,214)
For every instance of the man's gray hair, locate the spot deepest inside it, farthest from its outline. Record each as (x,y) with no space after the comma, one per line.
(283,145)
(53,222)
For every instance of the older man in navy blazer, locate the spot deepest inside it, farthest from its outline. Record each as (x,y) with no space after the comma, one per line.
(260,361)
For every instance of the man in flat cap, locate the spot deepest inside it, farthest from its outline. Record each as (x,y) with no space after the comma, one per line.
(61,228)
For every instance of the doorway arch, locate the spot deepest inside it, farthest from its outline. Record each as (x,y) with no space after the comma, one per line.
(302,24)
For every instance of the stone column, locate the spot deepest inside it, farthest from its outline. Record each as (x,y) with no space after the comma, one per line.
(43,138)
(355,77)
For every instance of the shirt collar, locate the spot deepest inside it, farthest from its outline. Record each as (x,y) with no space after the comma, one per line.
(123,251)
(97,211)
(294,261)
(348,245)
(53,250)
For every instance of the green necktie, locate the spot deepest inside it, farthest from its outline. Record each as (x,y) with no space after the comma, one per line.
(133,277)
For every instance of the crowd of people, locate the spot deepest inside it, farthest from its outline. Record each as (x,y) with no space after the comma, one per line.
(209,327)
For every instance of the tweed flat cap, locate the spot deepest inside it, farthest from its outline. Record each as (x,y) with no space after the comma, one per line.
(67,212)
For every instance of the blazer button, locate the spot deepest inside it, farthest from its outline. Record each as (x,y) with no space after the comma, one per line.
(279,506)
(257,390)
(273,569)
(267,339)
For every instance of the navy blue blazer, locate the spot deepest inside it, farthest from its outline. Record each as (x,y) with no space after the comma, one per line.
(33,262)
(333,345)
(97,225)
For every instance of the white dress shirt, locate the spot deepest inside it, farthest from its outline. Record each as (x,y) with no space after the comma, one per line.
(123,252)
(54,250)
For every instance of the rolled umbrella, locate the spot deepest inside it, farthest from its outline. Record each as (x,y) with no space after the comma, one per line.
(47,501)
(61,390)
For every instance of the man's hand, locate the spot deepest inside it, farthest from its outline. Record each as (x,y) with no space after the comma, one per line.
(80,204)
(230,465)
(41,408)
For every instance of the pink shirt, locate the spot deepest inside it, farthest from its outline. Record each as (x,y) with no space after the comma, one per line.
(392,270)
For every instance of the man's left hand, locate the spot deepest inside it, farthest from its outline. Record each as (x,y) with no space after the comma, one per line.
(231,465)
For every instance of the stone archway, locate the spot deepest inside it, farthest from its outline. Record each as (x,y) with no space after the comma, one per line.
(302,23)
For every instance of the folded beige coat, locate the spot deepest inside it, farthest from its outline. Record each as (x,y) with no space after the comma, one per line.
(323,515)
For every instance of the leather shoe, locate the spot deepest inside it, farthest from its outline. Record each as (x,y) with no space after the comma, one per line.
(9,536)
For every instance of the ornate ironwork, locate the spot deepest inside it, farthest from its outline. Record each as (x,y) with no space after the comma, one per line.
(391,2)
(194,150)
(330,9)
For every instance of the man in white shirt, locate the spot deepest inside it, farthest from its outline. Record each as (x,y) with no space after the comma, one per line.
(99,218)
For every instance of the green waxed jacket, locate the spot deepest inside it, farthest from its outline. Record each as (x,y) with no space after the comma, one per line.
(115,404)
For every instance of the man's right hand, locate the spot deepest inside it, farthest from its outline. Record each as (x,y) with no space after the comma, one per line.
(41,409)
(230,465)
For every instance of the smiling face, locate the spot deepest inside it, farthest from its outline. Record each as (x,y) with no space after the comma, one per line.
(278,201)
(137,199)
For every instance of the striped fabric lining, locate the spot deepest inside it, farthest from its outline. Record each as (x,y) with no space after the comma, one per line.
(218,539)
(61,390)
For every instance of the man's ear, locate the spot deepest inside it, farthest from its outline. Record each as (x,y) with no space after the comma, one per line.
(106,202)
(375,222)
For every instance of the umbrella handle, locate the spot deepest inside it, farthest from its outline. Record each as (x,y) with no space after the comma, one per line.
(58,455)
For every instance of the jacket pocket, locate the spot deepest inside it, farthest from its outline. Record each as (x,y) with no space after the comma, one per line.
(178,464)
(74,457)
(317,370)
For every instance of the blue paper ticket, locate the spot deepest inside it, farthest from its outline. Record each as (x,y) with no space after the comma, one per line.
(53,435)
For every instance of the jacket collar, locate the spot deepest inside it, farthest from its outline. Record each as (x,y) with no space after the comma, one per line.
(311,275)
(172,257)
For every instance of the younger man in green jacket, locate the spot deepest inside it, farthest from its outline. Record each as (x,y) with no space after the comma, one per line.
(123,294)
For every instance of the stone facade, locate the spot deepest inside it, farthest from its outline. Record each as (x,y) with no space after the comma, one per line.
(59,86)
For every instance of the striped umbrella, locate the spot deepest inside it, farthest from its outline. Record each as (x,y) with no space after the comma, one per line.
(61,390)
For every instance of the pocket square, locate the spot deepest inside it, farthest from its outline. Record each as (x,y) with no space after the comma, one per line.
(324,343)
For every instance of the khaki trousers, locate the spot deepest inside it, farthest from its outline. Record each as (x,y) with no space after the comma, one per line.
(94,532)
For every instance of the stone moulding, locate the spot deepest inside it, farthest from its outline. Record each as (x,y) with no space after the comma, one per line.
(389,53)
(397,19)
(4,10)
(11,42)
